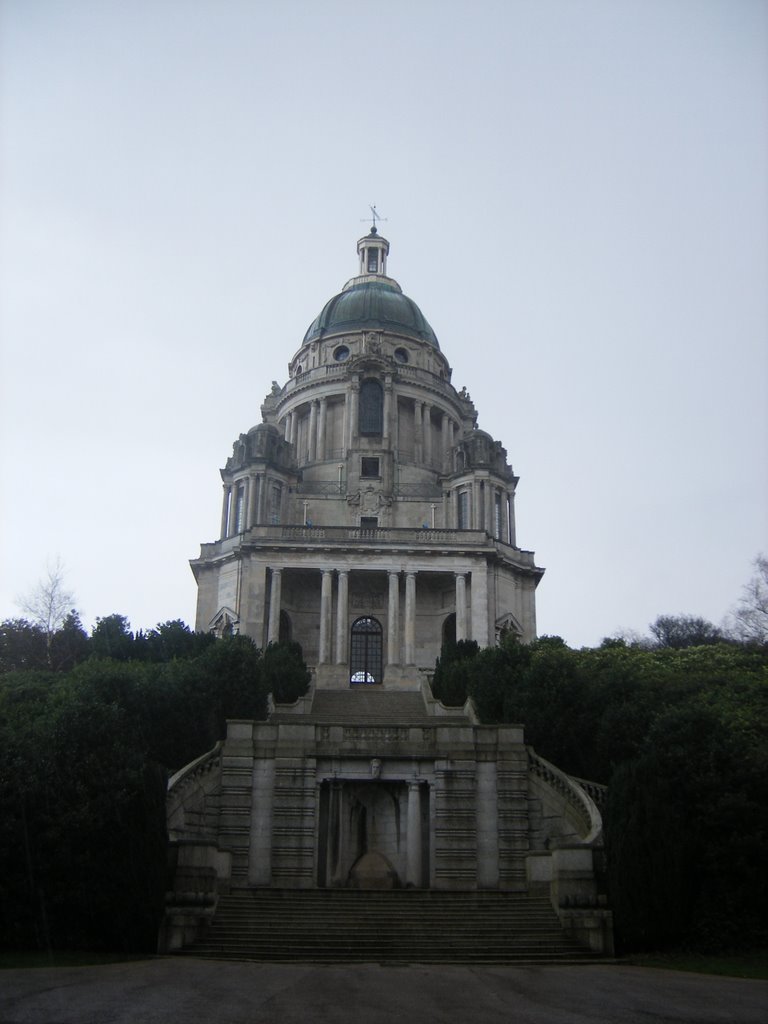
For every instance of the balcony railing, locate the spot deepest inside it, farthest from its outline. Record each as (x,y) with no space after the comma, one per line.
(371,537)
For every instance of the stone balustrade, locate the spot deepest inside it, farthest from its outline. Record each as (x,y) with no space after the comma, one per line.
(581,804)
(377,537)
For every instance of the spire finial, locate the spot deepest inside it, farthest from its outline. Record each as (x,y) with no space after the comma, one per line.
(374,217)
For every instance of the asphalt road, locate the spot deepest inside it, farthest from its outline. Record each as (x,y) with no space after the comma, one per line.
(168,990)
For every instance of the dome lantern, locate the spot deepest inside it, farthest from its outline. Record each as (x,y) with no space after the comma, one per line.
(373,251)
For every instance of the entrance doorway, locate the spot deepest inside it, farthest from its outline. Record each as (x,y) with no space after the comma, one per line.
(365,657)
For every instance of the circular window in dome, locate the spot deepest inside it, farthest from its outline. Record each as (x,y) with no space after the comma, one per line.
(341,353)
(401,355)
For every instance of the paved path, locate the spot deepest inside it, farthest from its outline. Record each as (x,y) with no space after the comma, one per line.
(167,991)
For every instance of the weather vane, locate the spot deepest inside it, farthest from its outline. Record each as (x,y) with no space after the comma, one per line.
(374,217)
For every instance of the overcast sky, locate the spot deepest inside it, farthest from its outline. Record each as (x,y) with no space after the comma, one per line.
(576,199)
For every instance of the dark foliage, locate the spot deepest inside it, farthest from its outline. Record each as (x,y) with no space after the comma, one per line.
(284,672)
(84,757)
(678,732)
(453,672)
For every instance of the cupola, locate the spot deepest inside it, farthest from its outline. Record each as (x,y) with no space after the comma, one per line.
(373,251)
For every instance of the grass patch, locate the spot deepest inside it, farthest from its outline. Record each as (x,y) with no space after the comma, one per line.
(64,958)
(752,964)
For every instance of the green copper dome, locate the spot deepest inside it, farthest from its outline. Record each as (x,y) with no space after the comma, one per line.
(371,305)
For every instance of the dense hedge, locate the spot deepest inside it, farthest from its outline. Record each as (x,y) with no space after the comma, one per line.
(84,759)
(679,736)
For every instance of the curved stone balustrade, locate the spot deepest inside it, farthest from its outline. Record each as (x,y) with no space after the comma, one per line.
(191,787)
(581,803)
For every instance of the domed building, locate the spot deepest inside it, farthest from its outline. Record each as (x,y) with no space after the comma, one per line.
(368,518)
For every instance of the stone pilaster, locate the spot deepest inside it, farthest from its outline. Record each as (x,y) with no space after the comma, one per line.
(342,618)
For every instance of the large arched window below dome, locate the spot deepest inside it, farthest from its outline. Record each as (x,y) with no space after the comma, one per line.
(365,656)
(371,412)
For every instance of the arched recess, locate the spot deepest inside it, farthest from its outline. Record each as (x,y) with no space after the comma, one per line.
(449,630)
(371,408)
(365,651)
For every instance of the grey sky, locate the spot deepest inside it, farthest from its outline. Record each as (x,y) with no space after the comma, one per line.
(576,194)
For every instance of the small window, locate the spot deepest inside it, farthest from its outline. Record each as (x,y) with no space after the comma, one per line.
(373,261)
(341,353)
(401,355)
(369,522)
(463,510)
(240,509)
(276,499)
(370,468)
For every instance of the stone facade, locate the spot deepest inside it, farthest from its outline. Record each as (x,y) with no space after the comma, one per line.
(368,492)
(368,518)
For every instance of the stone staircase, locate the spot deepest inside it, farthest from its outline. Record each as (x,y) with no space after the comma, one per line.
(368,706)
(403,926)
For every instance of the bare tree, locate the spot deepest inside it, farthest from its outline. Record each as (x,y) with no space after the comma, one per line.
(749,619)
(49,603)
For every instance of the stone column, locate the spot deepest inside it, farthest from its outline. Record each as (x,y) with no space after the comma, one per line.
(326,589)
(479,625)
(275,596)
(335,833)
(461,606)
(418,433)
(320,454)
(477,522)
(232,522)
(413,836)
(249,505)
(511,518)
(294,427)
(445,442)
(387,410)
(312,435)
(427,425)
(395,427)
(225,512)
(353,396)
(393,625)
(410,618)
(262,497)
(342,617)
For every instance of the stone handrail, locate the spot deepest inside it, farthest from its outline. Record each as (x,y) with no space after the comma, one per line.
(191,773)
(596,790)
(573,792)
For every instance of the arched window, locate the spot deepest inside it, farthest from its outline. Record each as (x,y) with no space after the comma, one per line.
(365,661)
(371,410)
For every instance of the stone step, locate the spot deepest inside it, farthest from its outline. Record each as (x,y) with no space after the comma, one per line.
(420,926)
(366,707)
